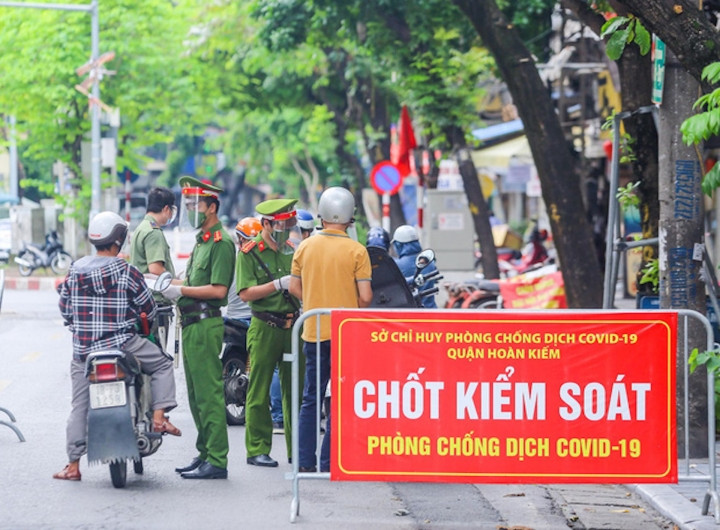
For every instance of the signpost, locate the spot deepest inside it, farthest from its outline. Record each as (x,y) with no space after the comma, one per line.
(658,70)
(385,179)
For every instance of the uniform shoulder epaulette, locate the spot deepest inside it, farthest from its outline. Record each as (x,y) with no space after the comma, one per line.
(217,236)
(247,247)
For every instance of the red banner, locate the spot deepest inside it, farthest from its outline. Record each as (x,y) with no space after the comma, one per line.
(503,397)
(542,292)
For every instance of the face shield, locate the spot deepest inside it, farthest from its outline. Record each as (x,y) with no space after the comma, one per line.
(285,231)
(192,208)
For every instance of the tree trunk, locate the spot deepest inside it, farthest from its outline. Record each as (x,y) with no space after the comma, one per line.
(681,222)
(557,169)
(685,30)
(476,202)
(636,90)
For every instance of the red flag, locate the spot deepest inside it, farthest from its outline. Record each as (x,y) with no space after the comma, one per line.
(406,142)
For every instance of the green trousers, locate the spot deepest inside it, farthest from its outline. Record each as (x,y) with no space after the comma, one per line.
(266,346)
(202,342)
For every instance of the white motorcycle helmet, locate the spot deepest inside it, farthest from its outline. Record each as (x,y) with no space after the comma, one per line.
(107,228)
(337,206)
(405,234)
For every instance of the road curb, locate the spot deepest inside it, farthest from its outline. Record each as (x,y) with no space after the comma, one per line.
(674,506)
(32,284)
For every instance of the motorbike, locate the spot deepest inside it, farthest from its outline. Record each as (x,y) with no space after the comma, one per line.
(533,255)
(120,417)
(391,289)
(51,254)
(234,358)
(472,294)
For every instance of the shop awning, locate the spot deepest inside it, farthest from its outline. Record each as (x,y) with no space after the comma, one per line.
(501,155)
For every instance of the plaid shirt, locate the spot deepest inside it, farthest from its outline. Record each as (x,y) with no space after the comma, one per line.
(101,301)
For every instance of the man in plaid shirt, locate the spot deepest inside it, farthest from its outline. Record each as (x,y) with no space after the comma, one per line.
(101,300)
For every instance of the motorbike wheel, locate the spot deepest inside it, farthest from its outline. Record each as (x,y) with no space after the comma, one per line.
(24,269)
(61,262)
(233,367)
(485,303)
(118,473)
(138,466)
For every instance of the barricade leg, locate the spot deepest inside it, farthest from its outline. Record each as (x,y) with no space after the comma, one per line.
(295,475)
(13,427)
(711,494)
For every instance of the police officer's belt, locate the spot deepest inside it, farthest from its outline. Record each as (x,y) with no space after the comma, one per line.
(277,320)
(197,311)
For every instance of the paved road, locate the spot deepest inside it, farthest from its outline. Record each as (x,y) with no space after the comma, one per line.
(35,385)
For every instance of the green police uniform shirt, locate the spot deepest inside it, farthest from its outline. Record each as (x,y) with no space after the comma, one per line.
(250,273)
(212,263)
(149,246)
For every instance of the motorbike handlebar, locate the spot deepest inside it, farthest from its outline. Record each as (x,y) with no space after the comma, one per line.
(427,292)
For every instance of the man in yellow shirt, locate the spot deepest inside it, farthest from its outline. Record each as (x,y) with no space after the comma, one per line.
(328,270)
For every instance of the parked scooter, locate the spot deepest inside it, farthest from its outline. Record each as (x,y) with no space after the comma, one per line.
(473,293)
(534,255)
(234,359)
(120,417)
(51,254)
(391,289)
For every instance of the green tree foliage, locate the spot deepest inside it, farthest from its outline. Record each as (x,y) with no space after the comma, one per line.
(151,86)
(702,126)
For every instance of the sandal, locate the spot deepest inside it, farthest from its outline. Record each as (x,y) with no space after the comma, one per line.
(68,474)
(166,427)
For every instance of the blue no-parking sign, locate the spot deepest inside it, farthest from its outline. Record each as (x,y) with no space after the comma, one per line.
(385,178)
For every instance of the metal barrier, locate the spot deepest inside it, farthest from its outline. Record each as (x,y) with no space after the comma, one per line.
(711,476)
(3,410)
(685,315)
(2,285)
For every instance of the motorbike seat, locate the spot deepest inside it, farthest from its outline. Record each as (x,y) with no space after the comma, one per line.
(235,331)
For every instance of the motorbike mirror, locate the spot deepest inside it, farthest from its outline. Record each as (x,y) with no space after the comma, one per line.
(163,281)
(425,258)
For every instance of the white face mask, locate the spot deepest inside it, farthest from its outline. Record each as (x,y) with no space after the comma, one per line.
(173,214)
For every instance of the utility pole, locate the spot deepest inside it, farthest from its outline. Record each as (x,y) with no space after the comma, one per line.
(91,8)
(681,241)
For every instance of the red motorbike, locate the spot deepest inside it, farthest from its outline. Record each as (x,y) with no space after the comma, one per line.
(534,255)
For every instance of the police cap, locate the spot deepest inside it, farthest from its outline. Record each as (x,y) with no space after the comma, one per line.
(200,187)
(273,208)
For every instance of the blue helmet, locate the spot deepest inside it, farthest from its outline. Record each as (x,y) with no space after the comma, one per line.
(377,237)
(305,220)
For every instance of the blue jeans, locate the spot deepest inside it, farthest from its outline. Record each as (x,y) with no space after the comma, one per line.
(308,410)
(276,399)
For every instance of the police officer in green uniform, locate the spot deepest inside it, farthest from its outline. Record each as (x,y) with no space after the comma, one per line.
(150,251)
(262,278)
(201,295)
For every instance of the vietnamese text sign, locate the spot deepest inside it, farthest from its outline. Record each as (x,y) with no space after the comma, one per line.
(540,292)
(504,396)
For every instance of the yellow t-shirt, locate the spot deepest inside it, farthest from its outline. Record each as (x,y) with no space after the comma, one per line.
(329,265)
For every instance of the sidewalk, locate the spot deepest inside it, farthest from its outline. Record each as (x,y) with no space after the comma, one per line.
(682,503)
